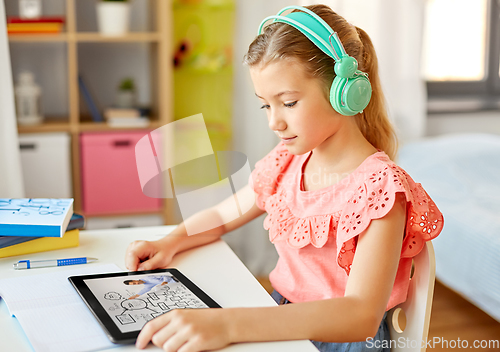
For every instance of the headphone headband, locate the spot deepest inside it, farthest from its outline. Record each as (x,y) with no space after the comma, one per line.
(313,27)
(351,90)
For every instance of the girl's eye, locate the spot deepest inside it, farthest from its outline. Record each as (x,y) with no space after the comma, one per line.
(265,107)
(289,105)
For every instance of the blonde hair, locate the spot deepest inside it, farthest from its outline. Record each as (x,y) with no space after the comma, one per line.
(282,41)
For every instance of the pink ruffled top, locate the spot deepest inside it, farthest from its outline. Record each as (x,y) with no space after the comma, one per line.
(315,232)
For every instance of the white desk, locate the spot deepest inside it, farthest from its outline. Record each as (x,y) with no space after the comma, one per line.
(233,286)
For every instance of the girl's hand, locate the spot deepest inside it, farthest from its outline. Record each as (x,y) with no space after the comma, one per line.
(187,330)
(148,255)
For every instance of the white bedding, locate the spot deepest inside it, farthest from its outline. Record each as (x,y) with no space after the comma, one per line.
(461,173)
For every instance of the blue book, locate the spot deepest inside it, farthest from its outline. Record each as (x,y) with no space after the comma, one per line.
(94,111)
(77,221)
(35,217)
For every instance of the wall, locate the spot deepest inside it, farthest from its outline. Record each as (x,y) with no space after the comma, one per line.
(483,122)
(10,163)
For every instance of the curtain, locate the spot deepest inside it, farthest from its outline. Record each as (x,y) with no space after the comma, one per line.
(11,181)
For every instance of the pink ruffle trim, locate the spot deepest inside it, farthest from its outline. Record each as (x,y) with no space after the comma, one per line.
(268,172)
(372,200)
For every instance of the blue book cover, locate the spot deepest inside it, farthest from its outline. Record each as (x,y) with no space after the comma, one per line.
(94,111)
(35,217)
(77,221)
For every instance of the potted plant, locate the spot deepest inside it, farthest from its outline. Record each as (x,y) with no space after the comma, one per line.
(113,17)
(126,94)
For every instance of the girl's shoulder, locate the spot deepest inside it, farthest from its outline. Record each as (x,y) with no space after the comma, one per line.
(375,196)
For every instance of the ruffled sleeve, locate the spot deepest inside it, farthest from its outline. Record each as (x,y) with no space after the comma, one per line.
(268,172)
(374,199)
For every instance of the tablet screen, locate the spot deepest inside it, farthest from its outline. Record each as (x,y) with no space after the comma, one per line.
(133,301)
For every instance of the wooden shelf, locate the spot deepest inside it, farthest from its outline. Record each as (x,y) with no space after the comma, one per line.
(102,126)
(82,37)
(29,38)
(131,37)
(49,125)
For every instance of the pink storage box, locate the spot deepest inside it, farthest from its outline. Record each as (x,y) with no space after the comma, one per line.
(110,181)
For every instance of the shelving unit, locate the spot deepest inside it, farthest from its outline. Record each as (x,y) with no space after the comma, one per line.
(161,78)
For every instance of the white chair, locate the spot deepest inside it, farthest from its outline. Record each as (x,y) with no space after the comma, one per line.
(409,321)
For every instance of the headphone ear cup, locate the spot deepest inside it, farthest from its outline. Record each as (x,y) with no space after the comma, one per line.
(350,96)
(335,93)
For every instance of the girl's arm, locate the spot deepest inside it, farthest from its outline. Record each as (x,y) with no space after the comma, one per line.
(354,317)
(148,255)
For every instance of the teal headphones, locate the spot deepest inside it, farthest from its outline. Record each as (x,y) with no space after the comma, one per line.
(351,90)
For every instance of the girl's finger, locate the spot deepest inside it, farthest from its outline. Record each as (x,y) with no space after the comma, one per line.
(150,264)
(164,335)
(136,251)
(175,342)
(191,346)
(150,329)
(131,260)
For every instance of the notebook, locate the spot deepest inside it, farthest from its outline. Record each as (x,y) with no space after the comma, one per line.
(51,313)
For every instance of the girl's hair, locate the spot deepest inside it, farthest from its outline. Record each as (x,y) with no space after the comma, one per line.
(282,41)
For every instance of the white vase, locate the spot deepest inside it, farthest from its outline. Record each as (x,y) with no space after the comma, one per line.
(113,18)
(125,99)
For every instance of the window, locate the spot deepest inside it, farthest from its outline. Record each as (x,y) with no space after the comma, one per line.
(461,55)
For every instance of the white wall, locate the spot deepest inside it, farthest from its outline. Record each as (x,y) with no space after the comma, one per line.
(11,185)
(252,135)
(483,122)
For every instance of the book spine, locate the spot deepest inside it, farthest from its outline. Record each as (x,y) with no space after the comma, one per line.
(70,239)
(7,241)
(76,222)
(96,115)
(32,32)
(28,230)
(34,26)
(38,20)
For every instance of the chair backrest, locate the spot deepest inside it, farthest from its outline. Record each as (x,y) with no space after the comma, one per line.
(411,335)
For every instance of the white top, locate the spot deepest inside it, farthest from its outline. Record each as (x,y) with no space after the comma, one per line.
(234,286)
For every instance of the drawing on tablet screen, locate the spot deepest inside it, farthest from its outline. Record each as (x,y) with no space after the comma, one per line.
(133,304)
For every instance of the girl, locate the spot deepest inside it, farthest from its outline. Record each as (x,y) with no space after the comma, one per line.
(345,219)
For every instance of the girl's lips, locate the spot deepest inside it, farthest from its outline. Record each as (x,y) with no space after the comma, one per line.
(288,140)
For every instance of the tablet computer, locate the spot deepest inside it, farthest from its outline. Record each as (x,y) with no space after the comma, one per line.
(124,302)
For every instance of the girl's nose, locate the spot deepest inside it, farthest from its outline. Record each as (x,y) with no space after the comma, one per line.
(276,123)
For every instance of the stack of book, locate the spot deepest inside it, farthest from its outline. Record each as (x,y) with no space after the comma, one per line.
(42,25)
(37,225)
(132,117)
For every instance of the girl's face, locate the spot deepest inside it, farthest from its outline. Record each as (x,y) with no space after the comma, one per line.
(296,106)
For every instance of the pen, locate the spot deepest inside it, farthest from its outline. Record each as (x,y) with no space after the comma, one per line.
(30,264)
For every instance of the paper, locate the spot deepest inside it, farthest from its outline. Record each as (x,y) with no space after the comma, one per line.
(52,314)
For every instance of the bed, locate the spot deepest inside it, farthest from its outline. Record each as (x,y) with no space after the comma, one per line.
(461,173)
